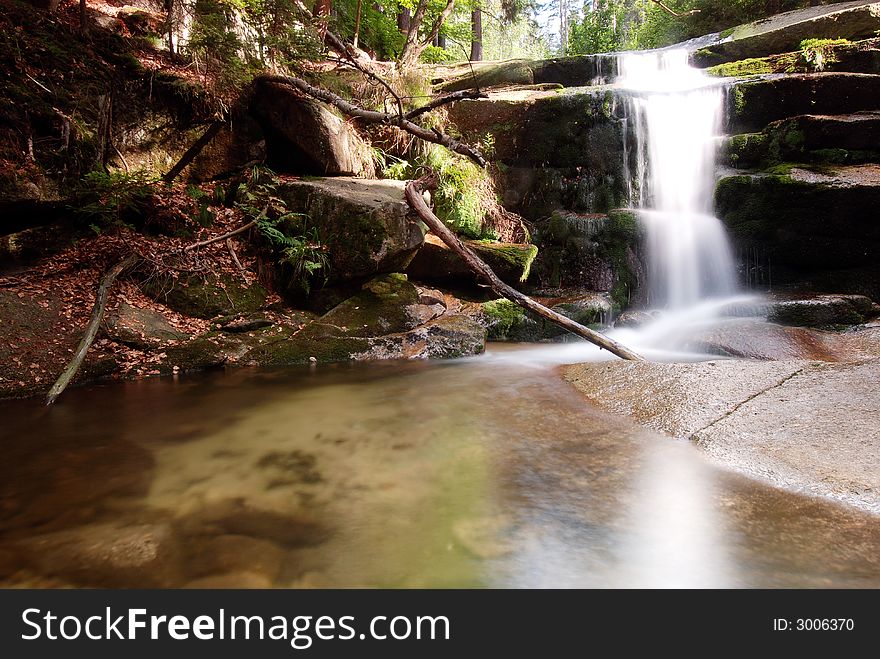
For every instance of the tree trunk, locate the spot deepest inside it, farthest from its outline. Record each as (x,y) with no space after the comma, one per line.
(322,13)
(417,202)
(193,151)
(441,41)
(403,20)
(477,35)
(357,24)
(83,22)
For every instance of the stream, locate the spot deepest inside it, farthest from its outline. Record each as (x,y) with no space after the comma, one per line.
(483,472)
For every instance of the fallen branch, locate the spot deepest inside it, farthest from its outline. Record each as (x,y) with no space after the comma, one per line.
(193,151)
(417,202)
(91,329)
(234,256)
(376,117)
(216,239)
(672,12)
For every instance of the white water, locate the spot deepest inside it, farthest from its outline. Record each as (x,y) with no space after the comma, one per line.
(676,112)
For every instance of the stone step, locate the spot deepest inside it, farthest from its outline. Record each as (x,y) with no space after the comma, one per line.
(784,32)
(840,139)
(753,104)
(814,226)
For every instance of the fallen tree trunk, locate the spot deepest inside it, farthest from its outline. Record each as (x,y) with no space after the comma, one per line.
(417,202)
(91,329)
(376,117)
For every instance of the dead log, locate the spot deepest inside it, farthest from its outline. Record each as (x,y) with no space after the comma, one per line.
(216,239)
(91,329)
(417,202)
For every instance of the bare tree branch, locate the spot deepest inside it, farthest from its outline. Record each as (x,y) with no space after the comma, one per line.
(475,263)
(375,117)
(443,100)
(672,12)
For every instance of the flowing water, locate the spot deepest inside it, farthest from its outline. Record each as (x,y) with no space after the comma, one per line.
(482,472)
(676,112)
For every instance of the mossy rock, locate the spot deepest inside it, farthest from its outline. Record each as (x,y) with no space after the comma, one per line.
(435,262)
(822,311)
(205,296)
(507,321)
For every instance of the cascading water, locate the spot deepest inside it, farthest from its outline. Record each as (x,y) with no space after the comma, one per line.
(675,112)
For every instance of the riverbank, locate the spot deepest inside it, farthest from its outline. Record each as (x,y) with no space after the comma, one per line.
(808,425)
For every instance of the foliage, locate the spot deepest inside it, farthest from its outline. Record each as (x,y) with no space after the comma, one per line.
(287,235)
(598,31)
(819,52)
(113,198)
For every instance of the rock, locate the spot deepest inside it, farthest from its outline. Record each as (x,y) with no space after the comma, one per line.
(141,328)
(750,338)
(305,137)
(366,226)
(486,537)
(841,139)
(838,56)
(389,318)
(784,32)
(244,579)
(237,517)
(112,555)
(245,323)
(822,311)
(567,71)
(435,262)
(222,554)
(229,151)
(49,486)
(598,252)
(507,321)
(756,103)
(802,425)
(205,296)
(807,225)
(636,318)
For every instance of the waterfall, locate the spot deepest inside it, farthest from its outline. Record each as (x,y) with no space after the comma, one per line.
(675,113)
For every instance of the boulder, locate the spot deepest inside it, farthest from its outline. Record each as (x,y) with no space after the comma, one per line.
(141,328)
(837,55)
(784,32)
(366,226)
(205,296)
(388,319)
(578,71)
(822,311)
(507,321)
(435,262)
(756,103)
(810,225)
(305,137)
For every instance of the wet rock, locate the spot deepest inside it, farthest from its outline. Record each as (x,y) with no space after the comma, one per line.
(756,103)
(595,251)
(112,555)
(237,517)
(219,555)
(141,328)
(822,311)
(807,224)
(366,226)
(784,32)
(46,485)
(436,262)
(385,320)
(756,339)
(305,137)
(205,296)
(636,318)
(291,467)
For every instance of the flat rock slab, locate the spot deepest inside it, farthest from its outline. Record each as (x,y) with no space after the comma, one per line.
(784,32)
(804,425)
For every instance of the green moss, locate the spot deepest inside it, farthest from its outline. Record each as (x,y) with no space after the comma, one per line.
(509,261)
(746,67)
(507,321)
(464,194)
(205,297)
